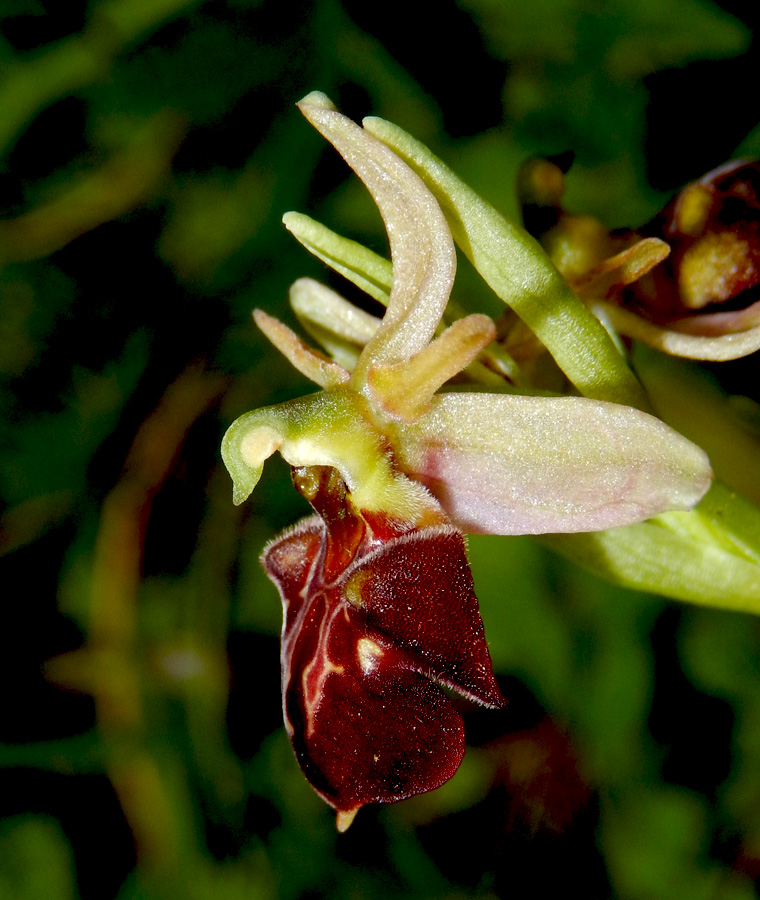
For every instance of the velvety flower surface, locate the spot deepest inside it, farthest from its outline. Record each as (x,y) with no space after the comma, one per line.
(373,618)
(379,606)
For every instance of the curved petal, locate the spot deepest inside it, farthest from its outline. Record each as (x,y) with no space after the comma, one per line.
(532,465)
(622,269)
(677,343)
(520,272)
(422,250)
(714,324)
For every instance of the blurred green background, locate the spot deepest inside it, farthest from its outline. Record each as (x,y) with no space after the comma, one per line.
(149,150)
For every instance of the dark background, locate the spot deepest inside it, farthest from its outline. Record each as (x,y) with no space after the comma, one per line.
(149,150)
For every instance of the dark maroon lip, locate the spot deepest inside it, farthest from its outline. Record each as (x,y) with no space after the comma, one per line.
(367,645)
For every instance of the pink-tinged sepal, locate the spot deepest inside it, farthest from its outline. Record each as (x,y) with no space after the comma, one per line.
(510,464)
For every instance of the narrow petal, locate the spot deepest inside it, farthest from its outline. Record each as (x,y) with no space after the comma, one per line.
(309,363)
(340,327)
(404,390)
(520,272)
(422,250)
(715,324)
(370,272)
(531,465)
(690,346)
(623,268)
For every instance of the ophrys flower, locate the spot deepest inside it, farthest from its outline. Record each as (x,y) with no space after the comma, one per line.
(377,593)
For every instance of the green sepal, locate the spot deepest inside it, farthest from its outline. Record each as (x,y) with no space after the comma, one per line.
(518,270)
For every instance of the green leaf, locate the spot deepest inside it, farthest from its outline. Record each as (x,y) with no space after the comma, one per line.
(688,399)
(706,556)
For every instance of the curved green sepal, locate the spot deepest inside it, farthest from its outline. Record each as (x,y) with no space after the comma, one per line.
(520,272)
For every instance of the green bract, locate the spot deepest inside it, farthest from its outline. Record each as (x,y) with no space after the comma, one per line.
(497,463)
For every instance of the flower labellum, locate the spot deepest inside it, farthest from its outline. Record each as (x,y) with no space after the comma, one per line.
(379,605)
(373,619)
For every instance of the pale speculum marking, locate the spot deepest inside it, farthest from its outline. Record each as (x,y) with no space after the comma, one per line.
(316,672)
(369,654)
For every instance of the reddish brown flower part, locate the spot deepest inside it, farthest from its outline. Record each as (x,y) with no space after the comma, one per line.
(713,228)
(687,283)
(376,618)
(379,609)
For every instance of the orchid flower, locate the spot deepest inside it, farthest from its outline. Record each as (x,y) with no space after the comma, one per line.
(379,605)
(685,283)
